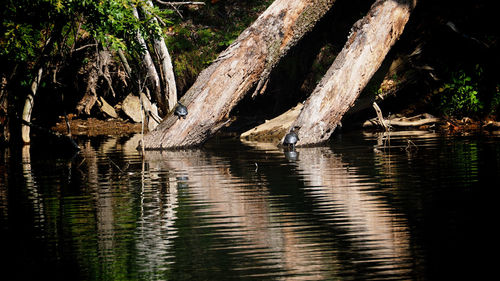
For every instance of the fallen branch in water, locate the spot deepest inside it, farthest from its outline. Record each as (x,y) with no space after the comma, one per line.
(380,117)
(49,132)
(491,125)
(414,121)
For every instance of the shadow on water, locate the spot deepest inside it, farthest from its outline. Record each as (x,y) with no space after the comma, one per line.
(364,207)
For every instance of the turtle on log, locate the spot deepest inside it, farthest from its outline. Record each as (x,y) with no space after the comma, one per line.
(181,110)
(291,139)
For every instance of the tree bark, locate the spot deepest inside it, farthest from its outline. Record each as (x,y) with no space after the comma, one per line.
(152,74)
(243,66)
(4,111)
(370,40)
(275,129)
(28,107)
(169,98)
(90,97)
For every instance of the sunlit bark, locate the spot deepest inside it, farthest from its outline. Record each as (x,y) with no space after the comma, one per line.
(168,100)
(370,40)
(243,66)
(4,111)
(28,106)
(152,74)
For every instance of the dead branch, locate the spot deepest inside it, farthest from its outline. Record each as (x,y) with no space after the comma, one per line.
(180,3)
(380,116)
(414,121)
(84,47)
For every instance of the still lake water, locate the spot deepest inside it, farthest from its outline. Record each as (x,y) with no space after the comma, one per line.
(417,207)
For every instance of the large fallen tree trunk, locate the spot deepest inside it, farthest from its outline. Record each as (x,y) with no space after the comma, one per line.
(243,66)
(370,40)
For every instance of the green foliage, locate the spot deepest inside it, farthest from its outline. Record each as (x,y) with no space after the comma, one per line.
(194,40)
(22,30)
(461,95)
(197,39)
(495,103)
(27,25)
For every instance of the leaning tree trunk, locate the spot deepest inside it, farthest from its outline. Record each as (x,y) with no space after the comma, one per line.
(169,98)
(243,66)
(370,40)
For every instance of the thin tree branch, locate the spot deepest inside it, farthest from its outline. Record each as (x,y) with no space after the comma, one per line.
(180,3)
(85,46)
(174,4)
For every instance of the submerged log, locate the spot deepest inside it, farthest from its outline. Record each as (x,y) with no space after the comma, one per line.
(370,40)
(243,66)
(414,121)
(274,129)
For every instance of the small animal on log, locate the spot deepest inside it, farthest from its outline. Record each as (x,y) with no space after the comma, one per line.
(181,111)
(291,139)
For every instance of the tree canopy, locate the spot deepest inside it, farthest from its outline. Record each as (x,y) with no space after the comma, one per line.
(28,25)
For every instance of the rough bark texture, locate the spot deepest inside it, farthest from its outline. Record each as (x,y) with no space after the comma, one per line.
(239,69)
(169,99)
(95,70)
(369,42)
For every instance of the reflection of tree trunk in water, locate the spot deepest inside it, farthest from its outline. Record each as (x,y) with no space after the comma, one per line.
(341,190)
(239,205)
(345,203)
(32,186)
(103,204)
(4,180)
(211,186)
(158,203)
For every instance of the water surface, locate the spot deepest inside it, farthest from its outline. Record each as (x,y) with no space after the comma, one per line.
(364,207)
